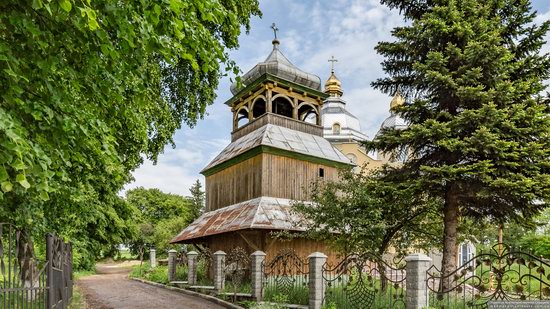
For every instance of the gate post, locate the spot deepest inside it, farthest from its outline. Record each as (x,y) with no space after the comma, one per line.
(417,288)
(192,267)
(219,270)
(153,257)
(49,272)
(316,283)
(172,265)
(257,273)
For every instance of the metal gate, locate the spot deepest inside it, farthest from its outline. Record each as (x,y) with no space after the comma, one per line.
(27,282)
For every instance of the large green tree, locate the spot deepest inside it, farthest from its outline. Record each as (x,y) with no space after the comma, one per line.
(159,217)
(88,89)
(479,134)
(362,212)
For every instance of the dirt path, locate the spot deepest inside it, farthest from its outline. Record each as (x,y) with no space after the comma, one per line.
(111,289)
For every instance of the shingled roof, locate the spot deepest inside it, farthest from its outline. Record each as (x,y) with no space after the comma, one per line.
(281,138)
(267,213)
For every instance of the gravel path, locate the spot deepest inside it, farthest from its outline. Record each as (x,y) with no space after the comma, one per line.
(111,289)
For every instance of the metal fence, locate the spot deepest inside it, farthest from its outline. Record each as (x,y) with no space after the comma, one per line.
(286,278)
(501,274)
(25,281)
(364,281)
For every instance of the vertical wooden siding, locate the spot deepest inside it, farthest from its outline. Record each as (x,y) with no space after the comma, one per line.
(291,178)
(234,184)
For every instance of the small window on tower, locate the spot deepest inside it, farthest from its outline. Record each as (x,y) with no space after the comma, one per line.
(336,128)
(321,172)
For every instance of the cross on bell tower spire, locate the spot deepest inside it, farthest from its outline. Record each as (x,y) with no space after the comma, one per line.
(332,60)
(275,41)
(275,29)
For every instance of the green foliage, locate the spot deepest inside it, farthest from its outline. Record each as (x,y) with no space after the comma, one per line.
(155,205)
(89,89)
(539,245)
(160,216)
(197,199)
(158,274)
(363,213)
(479,133)
(296,295)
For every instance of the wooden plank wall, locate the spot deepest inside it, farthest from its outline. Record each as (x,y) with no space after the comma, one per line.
(237,183)
(291,178)
(265,242)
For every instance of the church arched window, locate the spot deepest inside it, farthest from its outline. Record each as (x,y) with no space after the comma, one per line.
(307,113)
(336,128)
(352,157)
(258,108)
(242,117)
(282,106)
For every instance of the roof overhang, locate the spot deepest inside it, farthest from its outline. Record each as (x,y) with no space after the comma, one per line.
(262,213)
(266,77)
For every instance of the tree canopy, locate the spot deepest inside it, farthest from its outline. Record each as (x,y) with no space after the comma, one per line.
(89,89)
(479,132)
(361,212)
(159,217)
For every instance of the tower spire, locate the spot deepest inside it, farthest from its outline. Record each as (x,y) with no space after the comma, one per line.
(275,40)
(397,100)
(333,86)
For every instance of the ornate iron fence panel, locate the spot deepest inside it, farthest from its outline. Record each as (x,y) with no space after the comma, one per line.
(286,278)
(59,272)
(501,274)
(22,276)
(364,281)
(237,272)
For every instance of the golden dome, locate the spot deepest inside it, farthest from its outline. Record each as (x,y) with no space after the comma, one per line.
(397,100)
(333,86)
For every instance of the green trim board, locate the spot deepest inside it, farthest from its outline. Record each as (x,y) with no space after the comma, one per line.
(275,151)
(273,78)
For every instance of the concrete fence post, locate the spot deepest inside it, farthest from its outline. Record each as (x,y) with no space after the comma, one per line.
(316,283)
(219,270)
(172,263)
(417,288)
(257,274)
(192,267)
(153,258)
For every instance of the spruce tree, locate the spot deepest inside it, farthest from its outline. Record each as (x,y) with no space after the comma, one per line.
(197,200)
(479,131)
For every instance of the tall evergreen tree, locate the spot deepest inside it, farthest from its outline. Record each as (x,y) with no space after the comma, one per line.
(197,200)
(479,134)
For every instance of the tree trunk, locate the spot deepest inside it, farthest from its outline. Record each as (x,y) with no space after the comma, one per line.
(450,220)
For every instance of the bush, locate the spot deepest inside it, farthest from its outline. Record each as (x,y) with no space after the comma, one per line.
(158,274)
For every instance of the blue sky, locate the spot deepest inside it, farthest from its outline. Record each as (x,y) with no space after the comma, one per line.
(310,33)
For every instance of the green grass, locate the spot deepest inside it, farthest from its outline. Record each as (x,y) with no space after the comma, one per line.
(296,295)
(83,273)
(338,295)
(158,274)
(78,301)
(18,300)
(125,255)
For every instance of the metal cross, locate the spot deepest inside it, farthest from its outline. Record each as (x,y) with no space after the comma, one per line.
(333,60)
(275,29)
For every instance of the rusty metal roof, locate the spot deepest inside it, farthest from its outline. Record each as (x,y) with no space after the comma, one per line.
(260,213)
(281,138)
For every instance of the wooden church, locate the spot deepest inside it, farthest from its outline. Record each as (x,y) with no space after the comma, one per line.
(277,150)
